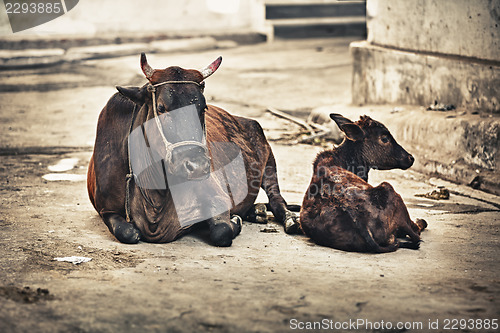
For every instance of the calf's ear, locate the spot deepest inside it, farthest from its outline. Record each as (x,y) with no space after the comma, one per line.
(351,130)
(135,94)
(339,119)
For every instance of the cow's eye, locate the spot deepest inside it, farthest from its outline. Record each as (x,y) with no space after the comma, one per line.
(384,139)
(161,108)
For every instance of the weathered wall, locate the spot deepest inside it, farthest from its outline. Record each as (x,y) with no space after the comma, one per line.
(459,27)
(95,17)
(422,51)
(382,75)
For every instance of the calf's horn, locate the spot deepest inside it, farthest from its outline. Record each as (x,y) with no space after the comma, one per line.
(210,69)
(146,69)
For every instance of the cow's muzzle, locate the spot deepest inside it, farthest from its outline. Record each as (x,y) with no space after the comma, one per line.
(198,168)
(188,161)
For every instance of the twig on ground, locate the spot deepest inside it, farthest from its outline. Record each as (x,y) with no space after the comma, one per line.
(293,119)
(313,136)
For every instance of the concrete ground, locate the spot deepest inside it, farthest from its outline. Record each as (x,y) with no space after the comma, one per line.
(265,282)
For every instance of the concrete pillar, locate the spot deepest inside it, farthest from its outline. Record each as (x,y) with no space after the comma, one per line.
(422,51)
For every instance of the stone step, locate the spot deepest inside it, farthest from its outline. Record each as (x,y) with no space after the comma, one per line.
(304,10)
(327,18)
(320,27)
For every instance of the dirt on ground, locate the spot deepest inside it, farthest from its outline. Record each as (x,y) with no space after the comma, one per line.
(267,281)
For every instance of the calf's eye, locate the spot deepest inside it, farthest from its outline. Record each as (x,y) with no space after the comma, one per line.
(384,139)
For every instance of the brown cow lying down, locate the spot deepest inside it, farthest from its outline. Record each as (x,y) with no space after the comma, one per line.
(164,160)
(341,210)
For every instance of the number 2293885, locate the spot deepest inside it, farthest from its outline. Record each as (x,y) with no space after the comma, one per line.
(471,324)
(33,8)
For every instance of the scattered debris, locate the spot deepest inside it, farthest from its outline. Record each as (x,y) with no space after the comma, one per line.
(442,193)
(269,230)
(441,107)
(26,294)
(360,306)
(74,259)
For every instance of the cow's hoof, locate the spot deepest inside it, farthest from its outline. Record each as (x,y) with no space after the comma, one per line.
(221,235)
(291,223)
(127,233)
(236,223)
(258,214)
(409,245)
(422,224)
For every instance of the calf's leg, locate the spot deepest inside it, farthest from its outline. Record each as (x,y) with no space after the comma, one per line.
(372,245)
(401,218)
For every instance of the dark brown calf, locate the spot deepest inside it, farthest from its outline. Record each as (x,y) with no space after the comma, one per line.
(341,210)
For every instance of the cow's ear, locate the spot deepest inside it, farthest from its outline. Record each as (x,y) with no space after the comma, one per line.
(135,94)
(351,130)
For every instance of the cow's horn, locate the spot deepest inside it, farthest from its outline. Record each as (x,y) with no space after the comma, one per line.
(210,69)
(146,69)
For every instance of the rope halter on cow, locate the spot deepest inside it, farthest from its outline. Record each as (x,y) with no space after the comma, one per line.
(169,147)
(149,73)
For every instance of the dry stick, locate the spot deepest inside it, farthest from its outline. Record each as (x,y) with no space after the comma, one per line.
(309,127)
(314,136)
(293,119)
(320,127)
(306,124)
